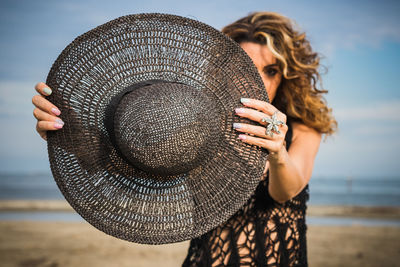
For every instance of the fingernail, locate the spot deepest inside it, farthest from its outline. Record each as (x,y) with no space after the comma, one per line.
(59,121)
(47,91)
(242,136)
(239,110)
(237,125)
(56,111)
(245,100)
(58,125)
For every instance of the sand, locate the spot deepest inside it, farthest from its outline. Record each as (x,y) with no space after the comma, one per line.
(56,244)
(59,244)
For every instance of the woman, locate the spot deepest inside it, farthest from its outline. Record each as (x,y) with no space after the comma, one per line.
(270,230)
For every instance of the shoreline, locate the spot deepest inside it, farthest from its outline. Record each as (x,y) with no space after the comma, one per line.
(383,212)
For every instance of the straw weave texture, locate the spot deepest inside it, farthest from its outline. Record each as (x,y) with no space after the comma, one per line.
(176,168)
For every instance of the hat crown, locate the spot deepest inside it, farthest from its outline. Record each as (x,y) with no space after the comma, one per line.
(166,128)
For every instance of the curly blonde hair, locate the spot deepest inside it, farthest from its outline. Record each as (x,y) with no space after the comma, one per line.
(297,95)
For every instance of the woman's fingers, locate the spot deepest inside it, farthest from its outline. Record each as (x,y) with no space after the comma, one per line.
(257,115)
(271,145)
(45,112)
(46,122)
(45,105)
(48,126)
(263,106)
(43,126)
(260,131)
(256,110)
(43,89)
(40,115)
(42,133)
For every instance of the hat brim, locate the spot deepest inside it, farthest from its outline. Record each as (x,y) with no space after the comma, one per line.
(102,187)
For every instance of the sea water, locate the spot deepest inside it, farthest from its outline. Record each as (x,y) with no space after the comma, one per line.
(323,191)
(75,217)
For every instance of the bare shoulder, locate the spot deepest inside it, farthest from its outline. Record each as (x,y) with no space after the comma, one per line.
(304,132)
(304,148)
(305,142)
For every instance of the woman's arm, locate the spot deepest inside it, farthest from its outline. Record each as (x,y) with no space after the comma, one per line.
(290,171)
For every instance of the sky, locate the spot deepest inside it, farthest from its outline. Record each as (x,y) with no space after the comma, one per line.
(359,42)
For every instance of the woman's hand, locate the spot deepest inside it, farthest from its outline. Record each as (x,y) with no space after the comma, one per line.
(45,112)
(256,110)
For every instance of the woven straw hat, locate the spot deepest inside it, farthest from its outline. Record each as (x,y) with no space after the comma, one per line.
(148,153)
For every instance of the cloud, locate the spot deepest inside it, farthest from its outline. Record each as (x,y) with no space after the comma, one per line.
(337,25)
(332,25)
(388,111)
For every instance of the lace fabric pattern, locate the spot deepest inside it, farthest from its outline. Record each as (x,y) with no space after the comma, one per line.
(263,232)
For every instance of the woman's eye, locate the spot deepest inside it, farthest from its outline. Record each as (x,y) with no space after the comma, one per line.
(271,72)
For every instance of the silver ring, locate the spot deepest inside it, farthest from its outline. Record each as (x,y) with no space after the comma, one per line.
(273,124)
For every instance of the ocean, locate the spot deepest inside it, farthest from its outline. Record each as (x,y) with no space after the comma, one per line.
(323,190)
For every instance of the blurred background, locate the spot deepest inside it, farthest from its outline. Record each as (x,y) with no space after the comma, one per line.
(355,188)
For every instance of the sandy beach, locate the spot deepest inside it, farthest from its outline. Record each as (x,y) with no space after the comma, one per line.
(59,244)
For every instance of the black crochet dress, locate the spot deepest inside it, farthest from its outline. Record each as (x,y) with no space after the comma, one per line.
(262,233)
